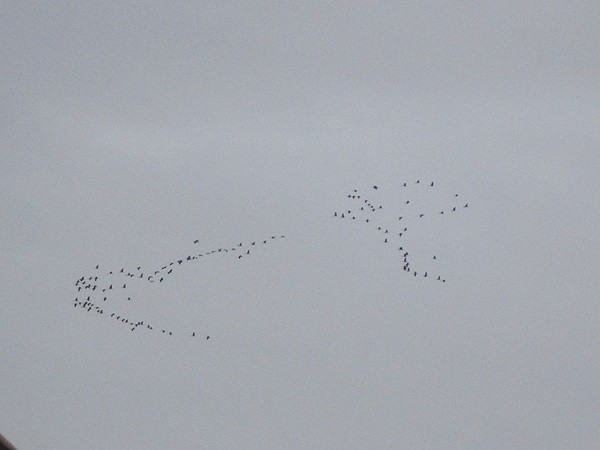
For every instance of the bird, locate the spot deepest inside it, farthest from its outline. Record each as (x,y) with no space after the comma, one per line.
(207,338)
(431,184)
(421,215)
(375,187)
(194,334)
(434,257)
(466,205)
(96,266)
(124,286)
(196,241)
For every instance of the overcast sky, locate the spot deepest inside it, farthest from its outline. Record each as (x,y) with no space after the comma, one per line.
(127,131)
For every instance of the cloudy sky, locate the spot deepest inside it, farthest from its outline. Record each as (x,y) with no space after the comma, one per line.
(129,130)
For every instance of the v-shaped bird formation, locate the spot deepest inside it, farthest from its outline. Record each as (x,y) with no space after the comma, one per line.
(364,209)
(97,293)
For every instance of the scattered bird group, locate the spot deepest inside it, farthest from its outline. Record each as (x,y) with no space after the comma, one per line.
(366,210)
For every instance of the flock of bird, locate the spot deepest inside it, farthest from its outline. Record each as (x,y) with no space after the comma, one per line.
(93,292)
(365,210)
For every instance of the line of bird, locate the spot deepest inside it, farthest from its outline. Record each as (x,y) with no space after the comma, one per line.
(365,212)
(94,285)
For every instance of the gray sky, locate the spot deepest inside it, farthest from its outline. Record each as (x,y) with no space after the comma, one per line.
(127,131)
